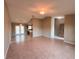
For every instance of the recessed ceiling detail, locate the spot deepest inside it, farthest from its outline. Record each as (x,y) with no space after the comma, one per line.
(42,8)
(24,9)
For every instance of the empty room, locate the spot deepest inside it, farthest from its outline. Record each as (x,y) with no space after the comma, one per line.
(39,29)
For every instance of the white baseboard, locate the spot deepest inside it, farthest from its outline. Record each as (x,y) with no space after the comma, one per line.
(70,42)
(56,37)
(7,50)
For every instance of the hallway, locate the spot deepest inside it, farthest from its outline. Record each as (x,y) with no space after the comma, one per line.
(40,48)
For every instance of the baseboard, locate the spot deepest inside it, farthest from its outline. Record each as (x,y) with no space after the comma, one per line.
(42,37)
(59,38)
(73,43)
(37,35)
(46,36)
(7,50)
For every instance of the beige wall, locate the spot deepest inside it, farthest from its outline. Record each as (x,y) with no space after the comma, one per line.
(47,27)
(69,29)
(7,30)
(37,27)
(42,27)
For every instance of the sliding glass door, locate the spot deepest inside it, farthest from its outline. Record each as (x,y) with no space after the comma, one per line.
(19,29)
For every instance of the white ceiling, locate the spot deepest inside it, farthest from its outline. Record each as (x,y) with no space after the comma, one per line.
(23,10)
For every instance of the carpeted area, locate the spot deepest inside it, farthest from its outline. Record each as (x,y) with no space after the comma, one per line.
(41,48)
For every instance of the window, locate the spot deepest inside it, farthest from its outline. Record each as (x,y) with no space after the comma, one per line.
(19,29)
(22,29)
(29,27)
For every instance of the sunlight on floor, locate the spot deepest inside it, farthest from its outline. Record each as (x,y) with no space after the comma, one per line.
(20,38)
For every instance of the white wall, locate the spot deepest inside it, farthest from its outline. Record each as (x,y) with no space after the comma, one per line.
(69,29)
(7,30)
(52,27)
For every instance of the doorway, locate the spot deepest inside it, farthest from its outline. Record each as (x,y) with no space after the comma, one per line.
(19,33)
(59,27)
(19,30)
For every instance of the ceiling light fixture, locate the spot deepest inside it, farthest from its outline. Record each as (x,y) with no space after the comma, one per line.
(42,12)
(60,17)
